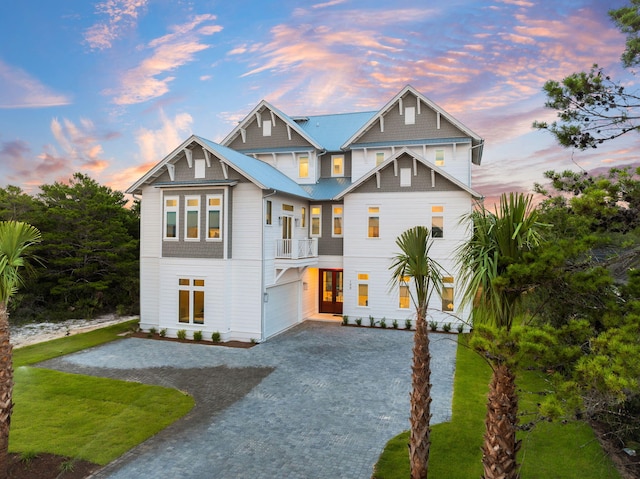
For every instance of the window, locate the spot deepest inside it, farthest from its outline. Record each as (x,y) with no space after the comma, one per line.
(303,217)
(199,168)
(337,222)
(363,289)
(439,157)
(287,207)
(266,128)
(192,209)
(214,217)
(373,230)
(379,157)
(410,115)
(268,213)
(303,166)
(337,165)
(405,177)
(316,221)
(404,300)
(191,300)
(447,293)
(437,222)
(171,217)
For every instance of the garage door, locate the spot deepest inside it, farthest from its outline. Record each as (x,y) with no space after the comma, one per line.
(282,308)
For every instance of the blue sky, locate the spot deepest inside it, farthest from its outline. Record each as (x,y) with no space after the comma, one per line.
(110,87)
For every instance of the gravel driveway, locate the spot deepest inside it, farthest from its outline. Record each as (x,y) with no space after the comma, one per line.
(318,401)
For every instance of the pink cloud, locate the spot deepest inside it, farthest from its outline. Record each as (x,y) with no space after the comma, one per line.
(18,89)
(121,15)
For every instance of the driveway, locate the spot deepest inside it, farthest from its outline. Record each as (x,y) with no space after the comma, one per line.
(318,401)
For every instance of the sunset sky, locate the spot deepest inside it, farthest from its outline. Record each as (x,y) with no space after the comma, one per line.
(109,88)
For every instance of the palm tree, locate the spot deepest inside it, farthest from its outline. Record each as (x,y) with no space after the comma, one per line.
(414,262)
(499,240)
(15,238)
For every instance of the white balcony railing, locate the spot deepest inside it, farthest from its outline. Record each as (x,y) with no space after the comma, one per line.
(296,248)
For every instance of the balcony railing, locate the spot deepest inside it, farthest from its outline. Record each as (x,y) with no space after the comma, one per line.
(296,248)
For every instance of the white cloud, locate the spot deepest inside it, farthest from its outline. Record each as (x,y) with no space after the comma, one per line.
(18,89)
(121,15)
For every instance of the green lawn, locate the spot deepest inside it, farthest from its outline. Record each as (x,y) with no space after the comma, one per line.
(85,417)
(570,451)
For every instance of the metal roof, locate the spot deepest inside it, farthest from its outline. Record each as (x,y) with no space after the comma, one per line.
(327,188)
(331,131)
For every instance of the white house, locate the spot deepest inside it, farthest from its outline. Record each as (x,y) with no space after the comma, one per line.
(296,217)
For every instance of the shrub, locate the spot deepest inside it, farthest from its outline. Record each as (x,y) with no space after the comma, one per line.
(197,335)
(407,324)
(383,323)
(163,332)
(28,456)
(433,325)
(182,334)
(372,321)
(215,336)
(358,321)
(446,327)
(152,331)
(345,320)
(254,341)
(460,328)
(395,324)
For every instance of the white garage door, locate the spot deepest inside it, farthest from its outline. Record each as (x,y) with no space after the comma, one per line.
(282,308)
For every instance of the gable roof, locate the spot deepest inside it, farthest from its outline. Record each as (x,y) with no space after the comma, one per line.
(353,186)
(261,174)
(476,141)
(331,131)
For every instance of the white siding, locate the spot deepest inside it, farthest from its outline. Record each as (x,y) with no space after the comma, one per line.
(151,222)
(287,163)
(246,218)
(282,309)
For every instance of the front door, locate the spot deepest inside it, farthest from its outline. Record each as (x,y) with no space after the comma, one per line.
(287,221)
(330,291)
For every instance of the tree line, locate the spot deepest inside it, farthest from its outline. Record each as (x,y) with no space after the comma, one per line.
(87,261)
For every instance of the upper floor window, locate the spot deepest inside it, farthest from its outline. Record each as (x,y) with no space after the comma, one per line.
(373,223)
(447,293)
(337,222)
(266,128)
(316,221)
(199,168)
(303,166)
(410,115)
(268,212)
(379,157)
(171,217)
(214,217)
(437,221)
(192,213)
(439,158)
(337,165)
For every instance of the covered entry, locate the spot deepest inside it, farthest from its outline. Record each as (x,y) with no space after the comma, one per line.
(281,311)
(330,291)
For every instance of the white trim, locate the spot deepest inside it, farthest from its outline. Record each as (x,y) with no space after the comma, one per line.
(221,218)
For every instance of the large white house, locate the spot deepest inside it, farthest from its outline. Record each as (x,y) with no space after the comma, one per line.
(296,217)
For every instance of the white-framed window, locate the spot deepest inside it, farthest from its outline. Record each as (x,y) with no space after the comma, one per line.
(404,299)
(266,128)
(363,289)
(199,168)
(316,221)
(336,231)
(303,217)
(410,115)
(191,300)
(303,166)
(192,215)
(214,217)
(171,214)
(405,177)
(268,213)
(337,165)
(379,157)
(437,221)
(447,294)
(373,222)
(439,160)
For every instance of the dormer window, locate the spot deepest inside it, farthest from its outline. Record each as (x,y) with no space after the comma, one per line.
(266,128)
(337,165)
(303,166)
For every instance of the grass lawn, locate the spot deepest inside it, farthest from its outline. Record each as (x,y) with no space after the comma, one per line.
(570,451)
(85,417)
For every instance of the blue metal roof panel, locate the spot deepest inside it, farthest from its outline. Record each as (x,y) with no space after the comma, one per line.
(257,170)
(327,188)
(331,131)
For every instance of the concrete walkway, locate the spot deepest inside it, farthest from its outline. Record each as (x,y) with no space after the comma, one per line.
(318,401)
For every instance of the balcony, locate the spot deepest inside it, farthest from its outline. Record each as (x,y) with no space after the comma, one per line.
(296,252)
